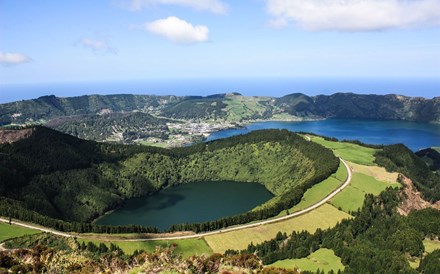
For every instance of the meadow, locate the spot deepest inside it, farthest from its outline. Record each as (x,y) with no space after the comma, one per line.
(348,151)
(184,248)
(320,191)
(325,216)
(323,259)
(8,231)
(352,197)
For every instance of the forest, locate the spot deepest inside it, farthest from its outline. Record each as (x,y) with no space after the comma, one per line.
(377,240)
(401,159)
(69,181)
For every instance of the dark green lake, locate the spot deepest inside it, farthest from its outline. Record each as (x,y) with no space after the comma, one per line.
(189,203)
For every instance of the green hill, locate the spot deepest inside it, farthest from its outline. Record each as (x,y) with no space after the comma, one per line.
(66,178)
(231,107)
(431,156)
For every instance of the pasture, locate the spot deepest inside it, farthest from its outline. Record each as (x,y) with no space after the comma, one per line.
(8,231)
(185,248)
(325,216)
(348,151)
(323,259)
(352,197)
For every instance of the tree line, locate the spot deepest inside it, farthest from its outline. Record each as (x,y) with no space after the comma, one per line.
(377,240)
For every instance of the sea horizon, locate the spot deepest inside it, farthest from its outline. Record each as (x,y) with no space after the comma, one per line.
(274,87)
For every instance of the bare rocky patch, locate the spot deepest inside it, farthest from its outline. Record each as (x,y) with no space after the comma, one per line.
(412,199)
(12,135)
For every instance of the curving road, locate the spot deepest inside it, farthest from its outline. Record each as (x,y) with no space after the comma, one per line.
(292,215)
(274,220)
(37,228)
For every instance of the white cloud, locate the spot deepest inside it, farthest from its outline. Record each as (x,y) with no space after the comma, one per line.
(178,30)
(96,45)
(9,59)
(356,15)
(215,6)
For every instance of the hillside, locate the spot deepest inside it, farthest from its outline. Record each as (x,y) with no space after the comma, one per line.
(173,121)
(222,106)
(69,179)
(431,156)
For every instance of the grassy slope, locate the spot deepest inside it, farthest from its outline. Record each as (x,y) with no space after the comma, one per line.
(350,152)
(352,197)
(321,190)
(8,231)
(323,258)
(323,217)
(240,107)
(431,245)
(379,173)
(185,248)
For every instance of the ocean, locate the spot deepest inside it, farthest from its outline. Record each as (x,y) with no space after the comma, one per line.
(275,87)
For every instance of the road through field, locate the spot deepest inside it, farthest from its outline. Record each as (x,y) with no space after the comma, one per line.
(199,235)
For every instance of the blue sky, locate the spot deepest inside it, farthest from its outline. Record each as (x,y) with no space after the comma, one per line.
(121,40)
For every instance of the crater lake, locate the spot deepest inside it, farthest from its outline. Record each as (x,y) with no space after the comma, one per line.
(189,203)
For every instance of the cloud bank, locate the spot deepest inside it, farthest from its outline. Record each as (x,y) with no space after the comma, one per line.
(355,15)
(214,6)
(178,30)
(10,59)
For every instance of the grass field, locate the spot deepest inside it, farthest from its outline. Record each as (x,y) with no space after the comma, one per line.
(320,191)
(352,197)
(239,107)
(323,258)
(323,217)
(350,152)
(431,245)
(8,231)
(379,173)
(186,248)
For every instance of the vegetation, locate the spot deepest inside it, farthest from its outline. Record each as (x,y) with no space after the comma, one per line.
(431,263)
(431,156)
(185,248)
(226,107)
(377,240)
(50,107)
(322,259)
(52,254)
(352,197)
(319,191)
(400,159)
(431,245)
(349,151)
(8,231)
(125,127)
(325,216)
(68,180)
(379,173)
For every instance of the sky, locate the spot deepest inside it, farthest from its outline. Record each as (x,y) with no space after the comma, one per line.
(50,41)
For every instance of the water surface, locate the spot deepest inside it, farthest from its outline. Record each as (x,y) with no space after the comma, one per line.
(414,135)
(189,203)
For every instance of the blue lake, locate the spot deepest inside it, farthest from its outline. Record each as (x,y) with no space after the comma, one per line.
(414,135)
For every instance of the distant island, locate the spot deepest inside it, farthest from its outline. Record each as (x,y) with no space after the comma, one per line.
(175,120)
